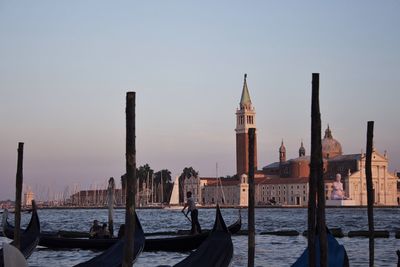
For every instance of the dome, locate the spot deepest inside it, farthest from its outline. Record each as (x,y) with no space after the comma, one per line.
(330,146)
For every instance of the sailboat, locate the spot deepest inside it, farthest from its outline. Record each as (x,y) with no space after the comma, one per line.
(174,200)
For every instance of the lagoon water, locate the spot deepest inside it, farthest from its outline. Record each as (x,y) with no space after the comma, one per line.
(270,250)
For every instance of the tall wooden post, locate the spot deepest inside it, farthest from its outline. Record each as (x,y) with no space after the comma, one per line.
(162,188)
(251,218)
(130,180)
(370,196)
(110,199)
(316,183)
(18,194)
(318,171)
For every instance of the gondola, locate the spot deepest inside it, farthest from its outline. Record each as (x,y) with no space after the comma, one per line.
(113,256)
(337,255)
(216,250)
(178,243)
(185,243)
(29,237)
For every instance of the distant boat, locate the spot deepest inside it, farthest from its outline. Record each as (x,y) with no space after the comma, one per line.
(174,200)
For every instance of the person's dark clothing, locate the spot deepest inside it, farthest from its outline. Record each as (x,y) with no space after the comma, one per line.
(196,229)
(94,230)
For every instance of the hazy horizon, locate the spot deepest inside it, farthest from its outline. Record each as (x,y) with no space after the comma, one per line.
(66,67)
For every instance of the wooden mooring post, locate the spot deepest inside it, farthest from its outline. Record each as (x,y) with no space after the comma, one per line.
(110,202)
(130,180)
(18,194)
(251,216)
(370,196)
(316,215)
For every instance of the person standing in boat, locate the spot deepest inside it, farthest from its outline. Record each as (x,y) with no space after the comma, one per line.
(194,213)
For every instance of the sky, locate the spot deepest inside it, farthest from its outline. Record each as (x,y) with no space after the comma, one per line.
(65,68)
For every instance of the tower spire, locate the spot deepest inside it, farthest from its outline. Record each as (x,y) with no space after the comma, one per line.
(282,153)
(245,100)
(245,119)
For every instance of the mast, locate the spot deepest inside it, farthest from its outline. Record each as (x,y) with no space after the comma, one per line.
(162,188)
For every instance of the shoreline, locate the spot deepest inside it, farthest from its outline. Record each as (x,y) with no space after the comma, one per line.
(210,207)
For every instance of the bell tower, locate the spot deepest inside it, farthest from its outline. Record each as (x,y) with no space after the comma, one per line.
(245,119)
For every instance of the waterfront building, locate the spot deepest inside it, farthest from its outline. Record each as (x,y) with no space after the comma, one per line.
(95,198)
(28,197)
(285,182)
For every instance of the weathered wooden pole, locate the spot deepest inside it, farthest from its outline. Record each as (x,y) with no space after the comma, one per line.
(18,194)
(162,188)
(251,218)
(316,183)
(312,183)
(130,180)
(370,196)
(110,198)
(319,174)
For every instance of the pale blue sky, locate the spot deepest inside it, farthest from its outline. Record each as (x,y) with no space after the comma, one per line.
(65,68)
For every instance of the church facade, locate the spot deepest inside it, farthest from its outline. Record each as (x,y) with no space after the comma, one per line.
(285,182)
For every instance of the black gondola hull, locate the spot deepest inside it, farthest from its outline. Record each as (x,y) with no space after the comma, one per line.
(172,244)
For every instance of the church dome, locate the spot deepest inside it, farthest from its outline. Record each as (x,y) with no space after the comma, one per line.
(330,146)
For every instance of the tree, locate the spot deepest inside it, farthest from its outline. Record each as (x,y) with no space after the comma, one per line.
(143,175)
(186,173)
(163,183)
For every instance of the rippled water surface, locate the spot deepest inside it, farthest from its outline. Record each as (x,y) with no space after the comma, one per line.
(270,250)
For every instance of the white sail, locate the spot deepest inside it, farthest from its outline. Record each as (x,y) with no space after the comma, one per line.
(174,200)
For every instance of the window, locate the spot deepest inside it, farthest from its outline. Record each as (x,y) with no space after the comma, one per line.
(244,189)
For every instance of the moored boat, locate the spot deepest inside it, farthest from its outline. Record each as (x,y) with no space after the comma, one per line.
(216,250)
(29,237)
(113,256)
(337,255)
(176,243)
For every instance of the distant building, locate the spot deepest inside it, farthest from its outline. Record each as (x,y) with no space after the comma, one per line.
(245,119)
(285,182)
(28,197)
(95,198)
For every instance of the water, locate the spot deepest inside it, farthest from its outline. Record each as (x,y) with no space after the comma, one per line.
(270,250)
